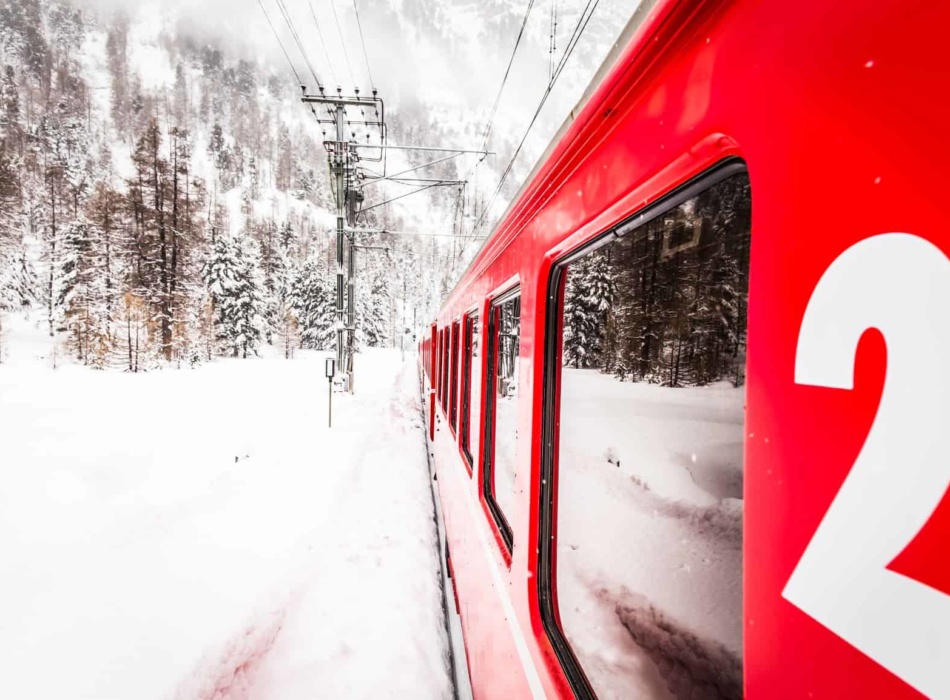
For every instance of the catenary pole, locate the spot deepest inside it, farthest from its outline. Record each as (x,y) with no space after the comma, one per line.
(341,152)
(339,167)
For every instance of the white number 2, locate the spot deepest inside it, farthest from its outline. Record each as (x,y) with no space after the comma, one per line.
(900,284)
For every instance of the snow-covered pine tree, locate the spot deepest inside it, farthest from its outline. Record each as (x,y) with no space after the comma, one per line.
(17,281)
(284,294)
(232,277)
(373,304)
(288,305)
(315,309)
(270,260)
(81,301)
(587,299)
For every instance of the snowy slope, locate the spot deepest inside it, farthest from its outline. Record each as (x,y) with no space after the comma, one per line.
(202,534)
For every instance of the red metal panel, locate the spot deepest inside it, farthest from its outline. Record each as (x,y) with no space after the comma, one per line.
(839,110)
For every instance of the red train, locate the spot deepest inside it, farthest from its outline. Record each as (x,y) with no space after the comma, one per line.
(688,402)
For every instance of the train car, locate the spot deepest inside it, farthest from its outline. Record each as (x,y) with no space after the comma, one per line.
(687,403)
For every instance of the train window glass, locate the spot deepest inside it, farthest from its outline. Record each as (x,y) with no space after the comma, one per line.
(471,377)
(442,366)
(438,365)
(502,394)
(446,341)
(650,351)
(453,398)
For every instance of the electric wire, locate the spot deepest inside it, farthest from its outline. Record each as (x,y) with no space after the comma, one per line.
(280,43)
(572,44)
(323,42)
(416,191)
(359,25)
(504,80)
(346,54)
(576,35)
(296,37)
(491,117)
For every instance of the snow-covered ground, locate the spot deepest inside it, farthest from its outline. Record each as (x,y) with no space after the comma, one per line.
(650,535)
(200,533)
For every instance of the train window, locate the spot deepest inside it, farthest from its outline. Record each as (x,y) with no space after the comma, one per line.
(501,394)
(438,365)
(453,387)
(446,339)
(644,398)
(471,377)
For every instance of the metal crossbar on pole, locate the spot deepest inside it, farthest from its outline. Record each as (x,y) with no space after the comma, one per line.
(424,234)
(437,150)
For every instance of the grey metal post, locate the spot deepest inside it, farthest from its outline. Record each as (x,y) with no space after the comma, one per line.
(350,310)
(340,150)
(340,205)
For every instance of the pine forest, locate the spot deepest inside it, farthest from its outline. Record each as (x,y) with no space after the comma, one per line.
(148,223)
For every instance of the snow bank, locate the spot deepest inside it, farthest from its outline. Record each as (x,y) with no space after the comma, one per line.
(201,533)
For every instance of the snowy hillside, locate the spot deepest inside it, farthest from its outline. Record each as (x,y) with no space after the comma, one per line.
(164,195)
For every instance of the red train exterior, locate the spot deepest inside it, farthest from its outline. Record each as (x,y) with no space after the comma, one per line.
(838,112)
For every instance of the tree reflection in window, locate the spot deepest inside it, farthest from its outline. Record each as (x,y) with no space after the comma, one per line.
(649,452)
(502,468)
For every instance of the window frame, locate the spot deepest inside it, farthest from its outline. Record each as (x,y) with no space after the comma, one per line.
(444,392)
(550,409)
(488,434)
(465,395)
(454,377)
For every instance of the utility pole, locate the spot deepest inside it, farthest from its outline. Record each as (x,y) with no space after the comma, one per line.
(349,180)
(338,164)
(350,310)
(342,153)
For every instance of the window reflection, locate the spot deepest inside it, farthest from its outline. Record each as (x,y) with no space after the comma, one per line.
(472,377)
(504,390)
(649,467)
(453,388)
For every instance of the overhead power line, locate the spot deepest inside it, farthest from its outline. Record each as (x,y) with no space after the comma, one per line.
(359,25)
(501,88)
(387,232)
(441,183)
(339,30)
(504,80)
(280,43)
(572,44)
(323,42)
(296,37)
